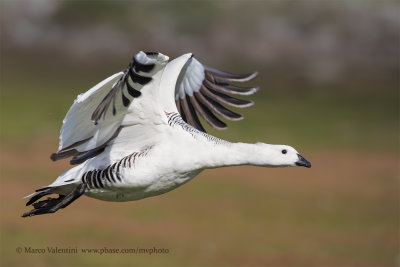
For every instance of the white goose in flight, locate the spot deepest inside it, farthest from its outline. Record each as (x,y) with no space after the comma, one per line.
(136,134)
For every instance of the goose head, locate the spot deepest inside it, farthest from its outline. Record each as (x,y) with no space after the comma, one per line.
(281,156)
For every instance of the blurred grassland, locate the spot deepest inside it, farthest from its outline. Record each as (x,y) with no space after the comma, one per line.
(344,211)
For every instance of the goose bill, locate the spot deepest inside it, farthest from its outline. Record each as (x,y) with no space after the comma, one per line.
(303,162)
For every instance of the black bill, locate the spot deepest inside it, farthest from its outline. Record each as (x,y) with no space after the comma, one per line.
(303,162)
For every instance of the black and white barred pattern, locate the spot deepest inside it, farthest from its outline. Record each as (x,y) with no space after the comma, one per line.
(174,119)
(102,178)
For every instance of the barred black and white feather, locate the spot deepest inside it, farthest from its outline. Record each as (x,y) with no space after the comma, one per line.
(112,174)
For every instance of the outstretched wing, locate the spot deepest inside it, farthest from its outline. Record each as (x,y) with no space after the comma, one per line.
(204,90)
(96,116)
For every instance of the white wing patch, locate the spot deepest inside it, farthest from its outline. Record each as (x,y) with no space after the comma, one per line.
(188,84)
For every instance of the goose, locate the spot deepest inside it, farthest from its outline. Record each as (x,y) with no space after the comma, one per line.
(137,133)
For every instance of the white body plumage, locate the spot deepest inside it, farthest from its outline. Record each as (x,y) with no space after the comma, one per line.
(150,140)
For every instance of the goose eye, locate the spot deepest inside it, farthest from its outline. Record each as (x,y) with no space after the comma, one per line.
(284,151)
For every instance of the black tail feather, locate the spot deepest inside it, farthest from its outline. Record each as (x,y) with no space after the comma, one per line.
(51,205)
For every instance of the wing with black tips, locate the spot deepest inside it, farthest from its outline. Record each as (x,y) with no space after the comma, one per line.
(205,91)
(95,117)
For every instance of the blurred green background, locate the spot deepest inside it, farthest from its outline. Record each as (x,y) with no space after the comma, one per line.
(329,79)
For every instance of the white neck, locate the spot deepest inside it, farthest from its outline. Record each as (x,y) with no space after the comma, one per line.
(202,151)
(231,154)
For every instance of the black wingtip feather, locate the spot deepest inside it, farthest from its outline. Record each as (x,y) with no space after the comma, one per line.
(190,114)
(226,99)
(207,115)
(82,157)
(217,107)
(226,88)
(63,154)
(217,75)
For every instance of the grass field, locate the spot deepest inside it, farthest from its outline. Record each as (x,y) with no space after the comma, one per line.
(341,212)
